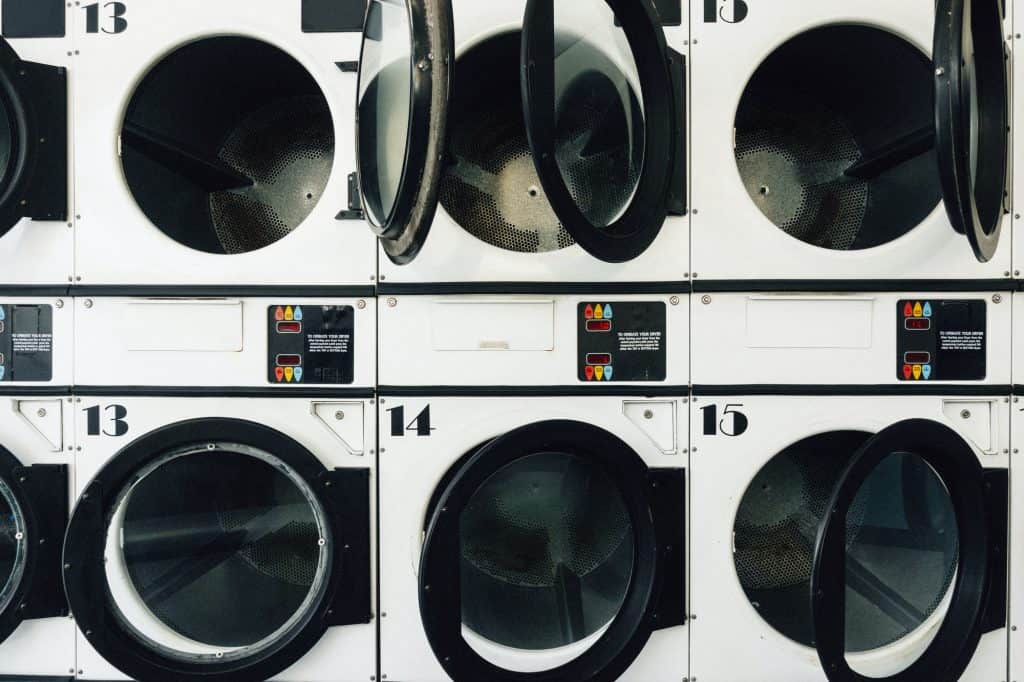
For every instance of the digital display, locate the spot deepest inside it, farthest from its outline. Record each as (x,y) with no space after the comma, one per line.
(918,324)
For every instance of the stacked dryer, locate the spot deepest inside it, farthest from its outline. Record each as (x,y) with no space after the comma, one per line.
(851,341)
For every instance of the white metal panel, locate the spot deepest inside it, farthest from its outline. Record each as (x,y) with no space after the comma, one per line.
(116,242)
(808,349)
(409,356)
(732,239)
(112,349)
(721,469)
(354,645)
(412,467)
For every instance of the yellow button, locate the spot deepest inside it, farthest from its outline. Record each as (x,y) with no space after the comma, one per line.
(289,314)
(917,371)
(918,310)
(599,372)
(289,373)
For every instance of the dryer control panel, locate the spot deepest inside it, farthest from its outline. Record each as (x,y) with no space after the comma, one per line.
(941,340)
(311,344)
(621,341)
(26,342)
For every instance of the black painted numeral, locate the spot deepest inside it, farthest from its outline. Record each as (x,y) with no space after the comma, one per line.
(421,424)
(112,22)
(106,421)
(733,422)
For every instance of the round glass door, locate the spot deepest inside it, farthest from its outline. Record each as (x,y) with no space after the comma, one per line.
(602,130)
(216,552)
(546,555)
(13,545)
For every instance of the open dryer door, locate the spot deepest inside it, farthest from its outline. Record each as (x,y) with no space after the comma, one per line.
(33,514)
(604,101)
(912,551)
(551,553)
(972,109)
(401,118)
(33,140)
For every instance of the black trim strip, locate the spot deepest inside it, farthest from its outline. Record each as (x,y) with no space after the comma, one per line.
(443,288)
(629,390)
(224,392)
(852,390)
(1018,390)
(32,290)
(35,391)
(850,285)
(254,291)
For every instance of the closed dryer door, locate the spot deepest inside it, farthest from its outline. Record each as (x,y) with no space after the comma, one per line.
(604,104)
(972,108)
(551,553)
(910,556)
(217,550)
(33,140)
(401,117)
(33,514)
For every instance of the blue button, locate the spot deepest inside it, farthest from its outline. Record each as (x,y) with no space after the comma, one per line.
(608,373)
(3,315)
(1,373)
(298,314)
(298,374)
(926,370)
(608,311)
(927,309)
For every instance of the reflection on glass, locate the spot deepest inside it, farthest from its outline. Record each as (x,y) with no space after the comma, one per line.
(902,553)
(222,547)
(546,553)
(6,144)
(385,104)
(598,114)
(12,545)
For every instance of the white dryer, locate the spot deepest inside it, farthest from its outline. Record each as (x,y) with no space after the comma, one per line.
(225,505)
(218,143)
(849,492)
(850,142)
(536,142)
(37,639)
(536,529)
(36,239)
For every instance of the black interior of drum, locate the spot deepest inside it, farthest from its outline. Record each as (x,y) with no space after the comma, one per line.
(227,144)
(491,187)
(8,542)
(835,137)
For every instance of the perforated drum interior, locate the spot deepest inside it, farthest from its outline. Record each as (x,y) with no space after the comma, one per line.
(226,159)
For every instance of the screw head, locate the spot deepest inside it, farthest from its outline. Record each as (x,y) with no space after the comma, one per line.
(705,299)
(674,300)
(648,414)
(87,303)
(59,303)
(965,414)
(392,302)
(339,415)
(41,412)
(361,304)
(997,298)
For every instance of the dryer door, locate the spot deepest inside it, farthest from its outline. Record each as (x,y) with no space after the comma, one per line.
(217,549)
(972,118)
(912,553)
(33,140)
(552,553)
(605,110)
(33,515)
(401,118)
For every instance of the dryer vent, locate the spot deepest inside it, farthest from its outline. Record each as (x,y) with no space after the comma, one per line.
(491,188)
(900,538)
(835,137)
(227,145)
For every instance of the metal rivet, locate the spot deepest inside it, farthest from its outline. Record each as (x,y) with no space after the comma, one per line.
(648,414)
(361,304)
(705,299)
(997,298)
(87,303)
(41,412)
(965,414)
(59,303)
(674,300)
(339,415)
(392,302)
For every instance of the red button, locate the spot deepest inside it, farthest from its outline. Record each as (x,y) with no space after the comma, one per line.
(279,313)
(289,360)
(589,312)
(289,327)
(599,325)
(908,310)
(908,371)
(589,371)
(279,373)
